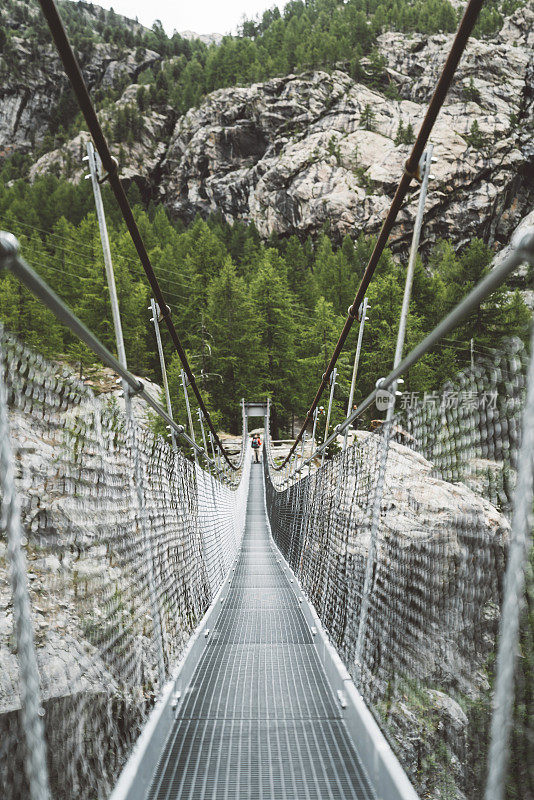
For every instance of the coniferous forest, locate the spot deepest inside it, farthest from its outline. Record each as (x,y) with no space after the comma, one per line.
(257,318)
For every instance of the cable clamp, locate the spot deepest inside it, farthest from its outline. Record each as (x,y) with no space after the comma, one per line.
(359,313)
(164,311)
(112,171)
(140,388)
(415,174)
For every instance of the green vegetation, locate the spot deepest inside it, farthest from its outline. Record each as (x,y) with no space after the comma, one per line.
(256,318)
(367,119)
(475,138)
(405,135)
(470,92)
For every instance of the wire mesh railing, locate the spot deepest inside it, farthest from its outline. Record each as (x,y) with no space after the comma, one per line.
(409,583)
(414,545)
(126,543)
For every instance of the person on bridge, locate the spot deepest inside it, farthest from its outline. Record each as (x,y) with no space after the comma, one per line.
(256,444)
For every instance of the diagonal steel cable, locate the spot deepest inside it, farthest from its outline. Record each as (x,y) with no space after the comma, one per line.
(74,74)
(411,170)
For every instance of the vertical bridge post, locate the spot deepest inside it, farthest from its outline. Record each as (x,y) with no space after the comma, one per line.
(333,378)
(387,428)
(95,173)
(188,408)
(138,480)
(201,421)
(363,320)
(154,308)
(313,443)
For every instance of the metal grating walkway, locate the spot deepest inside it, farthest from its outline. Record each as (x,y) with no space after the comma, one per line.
(259,720)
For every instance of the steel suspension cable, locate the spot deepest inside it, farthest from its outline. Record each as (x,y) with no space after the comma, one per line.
(411,170)
(74,74)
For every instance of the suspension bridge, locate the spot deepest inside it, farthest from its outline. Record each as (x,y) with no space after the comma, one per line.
(187,623)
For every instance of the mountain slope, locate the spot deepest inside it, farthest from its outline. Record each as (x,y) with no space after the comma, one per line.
(297,153)
(300,152)
(291,154)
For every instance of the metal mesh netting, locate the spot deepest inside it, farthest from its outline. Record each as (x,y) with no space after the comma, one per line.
(408,577)
(126,544)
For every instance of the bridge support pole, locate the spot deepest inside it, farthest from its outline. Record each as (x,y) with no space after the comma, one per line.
(201,421)
(426,162)
(295,464)
(95,170)
(302,453)
(30,693)
(387,428)
(95,174)
(214,455)
(188,408)
(313,443)
(333,378)
(363,320)
(155,314)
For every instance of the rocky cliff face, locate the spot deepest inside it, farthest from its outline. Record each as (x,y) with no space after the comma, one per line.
(295,153)
(33,83)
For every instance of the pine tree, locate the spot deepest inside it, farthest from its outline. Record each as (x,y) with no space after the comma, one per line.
(500,316)
(475,138)
(233,324)
(404,135)
(470,92)
(367,118)
(409,135)
(277,363)
(22,313)
(399,136)
(299,275)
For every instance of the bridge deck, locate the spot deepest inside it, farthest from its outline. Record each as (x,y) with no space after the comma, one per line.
(259,719)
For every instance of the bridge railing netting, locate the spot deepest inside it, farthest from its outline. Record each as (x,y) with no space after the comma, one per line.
(407,577)
(119,573)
